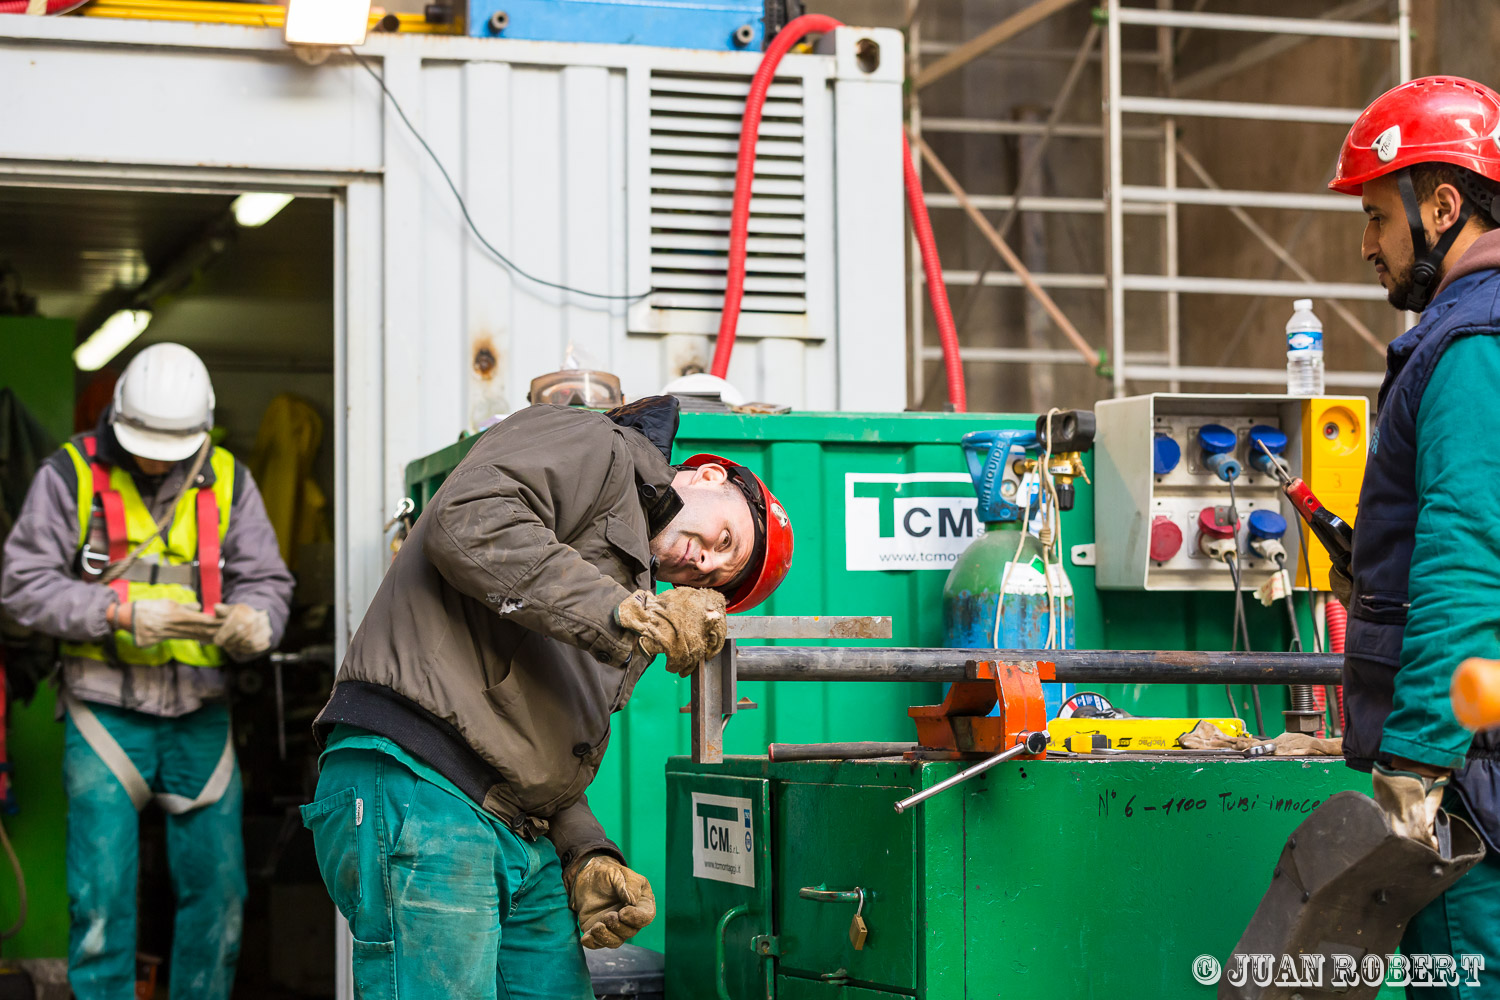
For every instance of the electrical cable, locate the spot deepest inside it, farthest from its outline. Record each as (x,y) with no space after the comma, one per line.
(463,206)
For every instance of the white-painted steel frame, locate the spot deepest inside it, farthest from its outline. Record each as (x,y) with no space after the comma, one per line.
(1170,283)
(1143,199)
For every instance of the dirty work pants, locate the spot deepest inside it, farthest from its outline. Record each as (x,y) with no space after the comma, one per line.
(1465,920)
(442,898)
(205,853)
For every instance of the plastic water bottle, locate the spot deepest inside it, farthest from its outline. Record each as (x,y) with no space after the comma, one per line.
(1304,351)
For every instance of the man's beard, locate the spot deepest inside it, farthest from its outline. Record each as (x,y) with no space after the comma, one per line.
(1399,294)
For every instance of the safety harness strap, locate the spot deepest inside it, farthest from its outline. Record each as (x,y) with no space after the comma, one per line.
(123,768)
(112,505)
(210,582)
(117,539)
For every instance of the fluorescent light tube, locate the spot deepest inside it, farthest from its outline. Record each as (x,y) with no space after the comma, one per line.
(327,22)
(256,208)
(113,336)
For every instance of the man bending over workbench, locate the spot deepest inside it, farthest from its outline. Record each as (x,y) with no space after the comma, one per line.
(472,710)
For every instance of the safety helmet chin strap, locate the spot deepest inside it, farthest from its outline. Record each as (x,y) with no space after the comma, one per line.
(1427,262)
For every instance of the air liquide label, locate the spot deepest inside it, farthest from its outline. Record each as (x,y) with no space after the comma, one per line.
(723,839)
(908,520)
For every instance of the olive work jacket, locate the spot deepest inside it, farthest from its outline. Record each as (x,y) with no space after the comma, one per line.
(491,649)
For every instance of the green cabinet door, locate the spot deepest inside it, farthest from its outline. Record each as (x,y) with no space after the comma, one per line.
(845,839)
(791,988)
(719,881)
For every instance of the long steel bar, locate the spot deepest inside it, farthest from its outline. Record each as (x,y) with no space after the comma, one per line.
(1042,203)
(1267,49)
(1243,376)
(969,772)
(809,626)
(1245,199)
(871,663)
(1004,279)
(1266,25)
(1252,286)
(1238,109)
(1003,126)
(1036,356)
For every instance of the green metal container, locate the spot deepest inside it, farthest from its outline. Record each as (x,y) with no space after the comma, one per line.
(1070,878)
(861,489)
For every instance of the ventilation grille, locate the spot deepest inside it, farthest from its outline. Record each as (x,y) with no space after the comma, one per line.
(695,128)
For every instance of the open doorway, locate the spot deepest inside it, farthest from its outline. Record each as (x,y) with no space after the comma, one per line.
(256,302)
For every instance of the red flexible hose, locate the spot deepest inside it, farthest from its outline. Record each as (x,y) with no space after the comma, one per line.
(53,6)
(1338,623)
(744,177)
(739,220)
(937,290)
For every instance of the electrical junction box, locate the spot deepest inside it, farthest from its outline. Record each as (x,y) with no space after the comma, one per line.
(730,25)
(1157,495)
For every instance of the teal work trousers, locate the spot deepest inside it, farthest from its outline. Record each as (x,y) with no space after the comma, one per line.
(1465,920)
(442,898)
(205,852)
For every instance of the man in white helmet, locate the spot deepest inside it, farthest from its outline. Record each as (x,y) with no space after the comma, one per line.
(147,552)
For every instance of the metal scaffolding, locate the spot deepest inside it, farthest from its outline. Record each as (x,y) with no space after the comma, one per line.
(1154,120)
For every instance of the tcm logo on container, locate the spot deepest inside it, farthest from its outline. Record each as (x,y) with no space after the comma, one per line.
(902,521)
(723,839)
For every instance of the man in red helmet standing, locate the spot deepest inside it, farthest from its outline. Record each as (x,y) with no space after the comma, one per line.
(1425,592)
(473,706)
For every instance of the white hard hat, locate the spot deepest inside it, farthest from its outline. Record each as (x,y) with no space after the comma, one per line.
(164,404)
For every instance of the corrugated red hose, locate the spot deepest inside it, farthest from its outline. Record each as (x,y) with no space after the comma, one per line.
(739,223)
(53,6)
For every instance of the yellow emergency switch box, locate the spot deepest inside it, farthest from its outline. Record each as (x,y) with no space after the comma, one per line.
(1334,443)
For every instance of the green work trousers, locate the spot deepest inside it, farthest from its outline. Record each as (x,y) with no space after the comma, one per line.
(205,852)
(442,898)
(1465,920)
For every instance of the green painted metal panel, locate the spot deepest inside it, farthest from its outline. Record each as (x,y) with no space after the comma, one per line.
(791,988)
(825,842)
(39,368)
(735,913)
(1066,877)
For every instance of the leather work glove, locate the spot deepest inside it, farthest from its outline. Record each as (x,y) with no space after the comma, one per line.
(612,902)
(1410,802)
(243,632)
(1341,586)
(157,619)
(687,624)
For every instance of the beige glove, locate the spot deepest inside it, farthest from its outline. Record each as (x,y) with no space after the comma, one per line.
(612,902)
(243,632)
(1341,586)
(158,619)
(687,624)
(1410,802)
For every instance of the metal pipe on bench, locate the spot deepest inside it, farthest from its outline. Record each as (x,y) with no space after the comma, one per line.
(1096,666)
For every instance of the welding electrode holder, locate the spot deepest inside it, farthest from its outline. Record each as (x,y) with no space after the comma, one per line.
(1026,743)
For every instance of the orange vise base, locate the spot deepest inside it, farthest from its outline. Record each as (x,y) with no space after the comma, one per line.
(963,723)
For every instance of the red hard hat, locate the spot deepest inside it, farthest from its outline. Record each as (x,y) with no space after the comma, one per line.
(1437,119)
(772,557)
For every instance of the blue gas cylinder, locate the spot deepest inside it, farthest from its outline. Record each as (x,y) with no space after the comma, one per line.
(1005,556)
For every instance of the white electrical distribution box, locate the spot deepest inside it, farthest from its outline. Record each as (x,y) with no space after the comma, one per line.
(1147,507)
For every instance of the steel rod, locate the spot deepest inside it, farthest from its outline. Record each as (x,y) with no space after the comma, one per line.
(1267,25)
(877,663)
(1246,199)
(1315,114)
(1253,286)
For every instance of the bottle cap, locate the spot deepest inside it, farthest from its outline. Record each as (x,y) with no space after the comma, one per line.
(1301,304)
